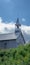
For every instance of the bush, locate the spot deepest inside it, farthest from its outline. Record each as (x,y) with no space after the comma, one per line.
(16,56)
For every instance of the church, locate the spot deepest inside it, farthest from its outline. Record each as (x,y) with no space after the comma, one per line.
(12,40)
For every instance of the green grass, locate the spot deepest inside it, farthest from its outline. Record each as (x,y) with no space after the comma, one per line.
(15,56)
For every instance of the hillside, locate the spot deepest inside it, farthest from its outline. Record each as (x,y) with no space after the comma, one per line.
(16,56)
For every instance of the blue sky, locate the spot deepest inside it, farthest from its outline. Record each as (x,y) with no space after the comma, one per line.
(11,9)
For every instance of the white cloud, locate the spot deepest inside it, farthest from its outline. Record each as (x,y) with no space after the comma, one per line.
(0,20)
(7,26)
(11,25)
(23,19)
(25,28)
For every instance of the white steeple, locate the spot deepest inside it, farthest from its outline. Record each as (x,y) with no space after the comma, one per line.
(20,37)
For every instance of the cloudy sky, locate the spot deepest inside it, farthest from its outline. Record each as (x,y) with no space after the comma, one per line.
(10,10)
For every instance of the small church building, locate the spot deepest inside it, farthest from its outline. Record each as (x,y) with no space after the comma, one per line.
(12,40)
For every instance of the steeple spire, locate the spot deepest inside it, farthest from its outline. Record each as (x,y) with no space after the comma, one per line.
(17,23)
